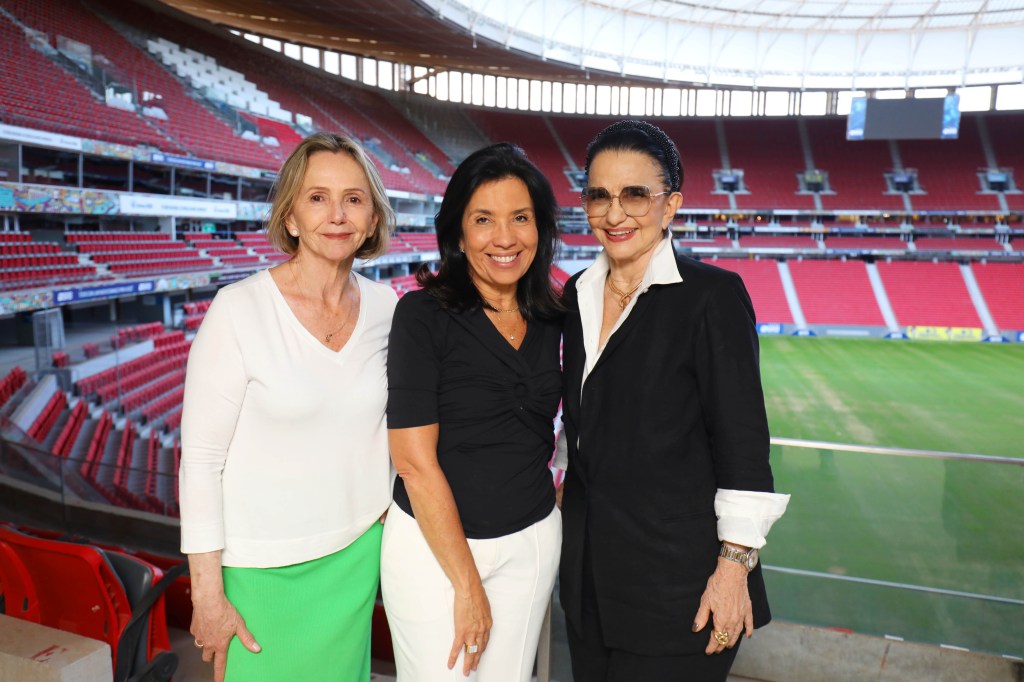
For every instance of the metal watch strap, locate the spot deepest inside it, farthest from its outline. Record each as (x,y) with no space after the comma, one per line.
(732,554)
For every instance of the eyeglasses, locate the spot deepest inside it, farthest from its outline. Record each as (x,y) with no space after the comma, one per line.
(635,200)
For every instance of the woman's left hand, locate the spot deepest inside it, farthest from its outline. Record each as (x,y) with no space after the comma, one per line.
(727,602)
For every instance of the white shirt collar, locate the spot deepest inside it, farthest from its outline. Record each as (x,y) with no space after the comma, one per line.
(661,269)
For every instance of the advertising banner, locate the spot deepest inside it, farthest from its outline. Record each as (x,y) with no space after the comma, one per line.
(945,333)
(155,205)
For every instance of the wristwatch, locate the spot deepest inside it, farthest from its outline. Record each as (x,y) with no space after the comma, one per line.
(747,558)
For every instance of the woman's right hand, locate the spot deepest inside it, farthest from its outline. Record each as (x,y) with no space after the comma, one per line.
(214,622)
(472,626)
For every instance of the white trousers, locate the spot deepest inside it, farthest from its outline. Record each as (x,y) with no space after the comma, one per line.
(518,574)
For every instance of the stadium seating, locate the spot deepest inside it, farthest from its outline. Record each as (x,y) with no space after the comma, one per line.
(956,244)
(1004,136)
(403,285)
(584,239)
(532,134)
(45,96)
(10,384)
(1002,285)
(764,285)
(855,169)
(929,294)
(770,154)
(719,241)
(76,587)
(835,292)
(779,242)
(865,243)
(948,171)
(189,126)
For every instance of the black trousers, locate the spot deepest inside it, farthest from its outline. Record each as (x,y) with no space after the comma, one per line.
(592,661)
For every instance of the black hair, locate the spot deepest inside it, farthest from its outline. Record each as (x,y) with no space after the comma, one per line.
(642,137)
(452,285)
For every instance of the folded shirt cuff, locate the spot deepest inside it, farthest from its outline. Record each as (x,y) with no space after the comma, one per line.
(746,516)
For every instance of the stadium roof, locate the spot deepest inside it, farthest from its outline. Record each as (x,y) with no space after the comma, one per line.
(863,44)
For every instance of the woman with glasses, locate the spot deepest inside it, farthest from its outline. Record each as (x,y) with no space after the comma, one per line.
(668,493)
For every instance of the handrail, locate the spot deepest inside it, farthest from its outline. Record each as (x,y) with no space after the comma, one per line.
(896,452)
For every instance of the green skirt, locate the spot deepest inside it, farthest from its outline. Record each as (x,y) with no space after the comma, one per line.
(312,620)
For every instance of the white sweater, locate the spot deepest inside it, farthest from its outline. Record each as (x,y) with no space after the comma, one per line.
(284,441)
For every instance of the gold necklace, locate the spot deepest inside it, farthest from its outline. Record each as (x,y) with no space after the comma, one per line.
(512,334)
(329,335)
(624,296)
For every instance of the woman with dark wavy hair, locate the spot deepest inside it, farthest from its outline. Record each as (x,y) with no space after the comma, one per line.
(470,546)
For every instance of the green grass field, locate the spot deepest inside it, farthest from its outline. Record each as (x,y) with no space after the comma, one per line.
(936,524)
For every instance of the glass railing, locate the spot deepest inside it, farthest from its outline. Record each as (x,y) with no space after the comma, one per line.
(918,545)
(90,498)
(921,545)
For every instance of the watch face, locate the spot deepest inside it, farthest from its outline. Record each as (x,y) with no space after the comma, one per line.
(751,559)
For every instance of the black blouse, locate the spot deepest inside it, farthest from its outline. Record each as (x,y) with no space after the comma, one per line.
(495,407)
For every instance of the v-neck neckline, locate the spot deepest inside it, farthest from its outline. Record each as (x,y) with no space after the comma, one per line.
(504,340)
(296,322)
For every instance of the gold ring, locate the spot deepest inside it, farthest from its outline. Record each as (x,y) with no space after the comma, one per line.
(199,644)
(722,637)
(472,648)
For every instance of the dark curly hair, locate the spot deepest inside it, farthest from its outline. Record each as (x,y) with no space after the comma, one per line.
(452,285)
(642,137)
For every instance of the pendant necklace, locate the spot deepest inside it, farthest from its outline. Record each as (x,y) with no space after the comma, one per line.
(512,334)
(329,335)
(624,296)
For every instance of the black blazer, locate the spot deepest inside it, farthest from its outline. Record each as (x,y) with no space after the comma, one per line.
(672,411)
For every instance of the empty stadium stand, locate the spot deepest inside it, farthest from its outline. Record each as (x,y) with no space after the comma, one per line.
(948,171)
(764,284)
(929,294)
(1002,285)
(855,169)
(770,154)
(779,242)
(534,136)
(835,292)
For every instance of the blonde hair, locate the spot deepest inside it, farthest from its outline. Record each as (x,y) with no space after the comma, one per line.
(289,182)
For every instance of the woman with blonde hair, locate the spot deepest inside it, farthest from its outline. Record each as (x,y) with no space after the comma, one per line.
(285,469)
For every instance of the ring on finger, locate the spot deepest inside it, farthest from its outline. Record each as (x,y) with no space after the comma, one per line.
(722,637)
(199,644)
(472,648)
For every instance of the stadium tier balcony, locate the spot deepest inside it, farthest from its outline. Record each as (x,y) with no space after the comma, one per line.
(943,244)
(947,171)
(771,155)
(45,96)
(779,242)
(189,126)
(855,169)
(926,293)
(1004,137)
(835,292)
(865,243)
(718,241)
